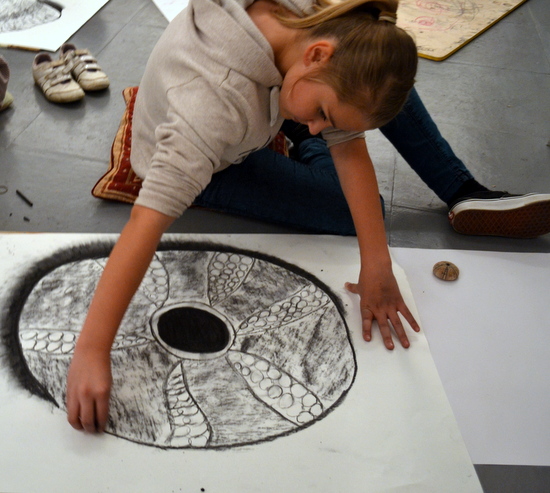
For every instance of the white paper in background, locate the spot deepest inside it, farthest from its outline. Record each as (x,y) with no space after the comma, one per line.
(51,35)
(170,8)
(488,333)
(394,431)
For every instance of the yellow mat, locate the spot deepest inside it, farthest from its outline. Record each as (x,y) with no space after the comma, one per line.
(442,27)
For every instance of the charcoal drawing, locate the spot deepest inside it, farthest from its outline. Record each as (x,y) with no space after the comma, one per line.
(18,15)
(220,347)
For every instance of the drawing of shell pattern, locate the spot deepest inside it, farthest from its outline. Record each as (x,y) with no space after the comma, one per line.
(18,15)
(217,349)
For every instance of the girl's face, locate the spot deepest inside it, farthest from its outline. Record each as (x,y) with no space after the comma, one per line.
(316,105)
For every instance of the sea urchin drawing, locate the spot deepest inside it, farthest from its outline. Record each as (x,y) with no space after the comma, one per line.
(220,347)
(19,15)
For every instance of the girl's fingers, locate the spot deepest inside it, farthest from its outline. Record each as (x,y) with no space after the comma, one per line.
(399,330)
(102,415)
(87,417)
(352,288)
(388,321)
(73,412)
(409,318)
(385,330)
(367,317)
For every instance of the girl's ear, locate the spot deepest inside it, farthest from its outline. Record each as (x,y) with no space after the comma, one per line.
(318,53)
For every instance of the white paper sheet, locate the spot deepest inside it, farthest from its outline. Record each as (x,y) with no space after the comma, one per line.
(170,8)
(394,431)
(52,35)
(488,335)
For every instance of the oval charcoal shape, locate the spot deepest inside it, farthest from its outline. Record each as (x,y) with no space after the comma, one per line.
(210,334)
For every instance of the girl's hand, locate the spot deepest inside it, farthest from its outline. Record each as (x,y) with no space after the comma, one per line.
(89,379)
(382,300)
(88,391)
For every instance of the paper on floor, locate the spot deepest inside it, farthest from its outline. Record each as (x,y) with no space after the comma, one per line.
(394,429)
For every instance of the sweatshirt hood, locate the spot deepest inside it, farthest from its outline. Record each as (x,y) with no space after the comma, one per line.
(225,23)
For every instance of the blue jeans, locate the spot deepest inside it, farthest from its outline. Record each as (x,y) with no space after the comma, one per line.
(416,137)
(305,193)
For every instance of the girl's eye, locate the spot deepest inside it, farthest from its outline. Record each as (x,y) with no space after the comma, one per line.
(322,114)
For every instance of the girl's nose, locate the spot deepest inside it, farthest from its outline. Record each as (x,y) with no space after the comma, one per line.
(316,126)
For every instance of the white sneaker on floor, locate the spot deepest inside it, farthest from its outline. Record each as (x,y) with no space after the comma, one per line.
(55,80)
(84,68)
(7,101)
(5,97)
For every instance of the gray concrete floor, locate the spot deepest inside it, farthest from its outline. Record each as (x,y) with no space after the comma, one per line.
(491,100)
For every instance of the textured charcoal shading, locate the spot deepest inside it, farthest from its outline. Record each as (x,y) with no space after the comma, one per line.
(219,348)
(18,15)
(13,306)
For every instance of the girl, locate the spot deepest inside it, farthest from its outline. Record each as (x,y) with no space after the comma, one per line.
(217,87)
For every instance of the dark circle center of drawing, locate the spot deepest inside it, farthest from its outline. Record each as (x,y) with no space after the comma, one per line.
(193,330)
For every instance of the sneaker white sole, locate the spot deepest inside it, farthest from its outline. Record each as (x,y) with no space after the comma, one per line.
(525,216)
(65,96)
(94,84)
(8,100)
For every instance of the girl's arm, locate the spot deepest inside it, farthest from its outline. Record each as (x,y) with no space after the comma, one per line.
(377,287)
(89,378)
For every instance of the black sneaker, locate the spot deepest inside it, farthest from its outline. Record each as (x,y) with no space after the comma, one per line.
(502,214)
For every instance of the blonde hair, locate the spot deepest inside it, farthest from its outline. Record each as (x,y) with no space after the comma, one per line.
(374,63)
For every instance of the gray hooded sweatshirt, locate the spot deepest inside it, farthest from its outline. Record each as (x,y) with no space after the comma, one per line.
(208,98)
